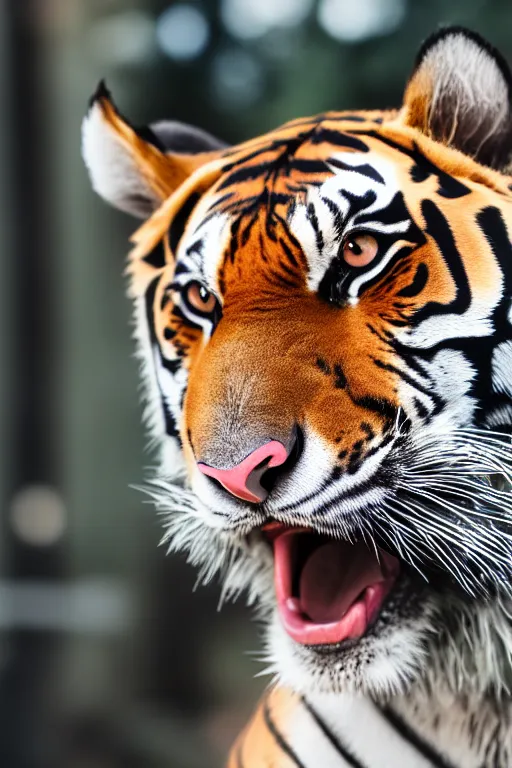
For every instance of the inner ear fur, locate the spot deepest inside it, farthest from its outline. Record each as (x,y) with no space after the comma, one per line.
(136,169)
(459,94)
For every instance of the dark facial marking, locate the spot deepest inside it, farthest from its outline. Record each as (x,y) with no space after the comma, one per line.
(171,427)
(418,283)
(439,229)
(179,222)
(340,380)
(364,170)
(324,367)
(338,139)
(156,258)
(367,429)
(314,223)
(423,167)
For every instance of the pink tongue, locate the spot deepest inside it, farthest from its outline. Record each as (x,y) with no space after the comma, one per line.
(333,577)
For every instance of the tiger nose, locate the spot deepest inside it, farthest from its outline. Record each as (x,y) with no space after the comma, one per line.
(244,479)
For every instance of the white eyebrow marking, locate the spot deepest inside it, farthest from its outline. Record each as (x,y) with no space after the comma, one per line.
(332,202)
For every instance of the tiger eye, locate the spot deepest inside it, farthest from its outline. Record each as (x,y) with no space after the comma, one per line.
(360,250)
(200,298)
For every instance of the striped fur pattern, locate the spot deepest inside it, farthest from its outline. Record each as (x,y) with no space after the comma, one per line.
(306,731)
(251,323)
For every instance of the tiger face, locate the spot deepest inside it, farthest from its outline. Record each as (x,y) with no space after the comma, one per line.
(324,320)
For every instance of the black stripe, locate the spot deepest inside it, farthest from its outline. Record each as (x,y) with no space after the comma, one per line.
(171,427)
(277,277)
(180,220)
(449,186)
(246,173)
(490,220)
(339,139)
(156,258)
(409,735)
(342,749)
(418,283)
(289,253)
(426,390)
(279,738)
(271,146)
(439,230)
(339,221)
(316,226)
(365,170)
(289,271)
(307,166)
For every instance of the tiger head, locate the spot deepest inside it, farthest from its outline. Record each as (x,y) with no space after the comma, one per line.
(323,317)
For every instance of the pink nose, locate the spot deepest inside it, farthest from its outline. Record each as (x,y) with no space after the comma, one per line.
(244,479)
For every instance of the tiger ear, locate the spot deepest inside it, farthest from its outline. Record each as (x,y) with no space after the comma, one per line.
(136,169)
(459,94)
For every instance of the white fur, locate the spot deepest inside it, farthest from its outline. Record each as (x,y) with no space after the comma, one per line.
(359,726)
(310,474)
(475,322)
(113,171)
(467,77)
(502,368)
(451,376)
(380,667)
(335,189)
(170,456)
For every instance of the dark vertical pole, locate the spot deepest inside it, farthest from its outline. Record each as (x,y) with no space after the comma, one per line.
(25,698)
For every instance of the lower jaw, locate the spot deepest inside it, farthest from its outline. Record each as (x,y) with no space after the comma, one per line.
(345,632)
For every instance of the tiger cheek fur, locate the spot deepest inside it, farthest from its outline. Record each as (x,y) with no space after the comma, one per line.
(323,315)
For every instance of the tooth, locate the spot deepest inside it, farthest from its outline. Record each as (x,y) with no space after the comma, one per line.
(293,604)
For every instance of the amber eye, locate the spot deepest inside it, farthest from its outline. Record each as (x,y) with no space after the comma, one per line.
(200,299)
(359,250)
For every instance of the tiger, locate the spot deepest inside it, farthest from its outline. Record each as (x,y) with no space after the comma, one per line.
(323,319)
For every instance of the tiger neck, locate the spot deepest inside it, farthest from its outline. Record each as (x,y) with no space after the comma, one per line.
(419,729)
(467,729)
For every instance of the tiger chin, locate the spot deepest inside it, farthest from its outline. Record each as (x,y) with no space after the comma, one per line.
(323,318)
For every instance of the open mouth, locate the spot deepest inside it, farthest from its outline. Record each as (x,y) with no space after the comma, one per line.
(328,591)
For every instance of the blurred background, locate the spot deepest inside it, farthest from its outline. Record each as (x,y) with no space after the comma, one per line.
(107,659)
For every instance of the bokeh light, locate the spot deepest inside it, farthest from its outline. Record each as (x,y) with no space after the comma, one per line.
(182,32)
(124,39)
(247,20)
(351,21)
(38,515)
(237,79)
